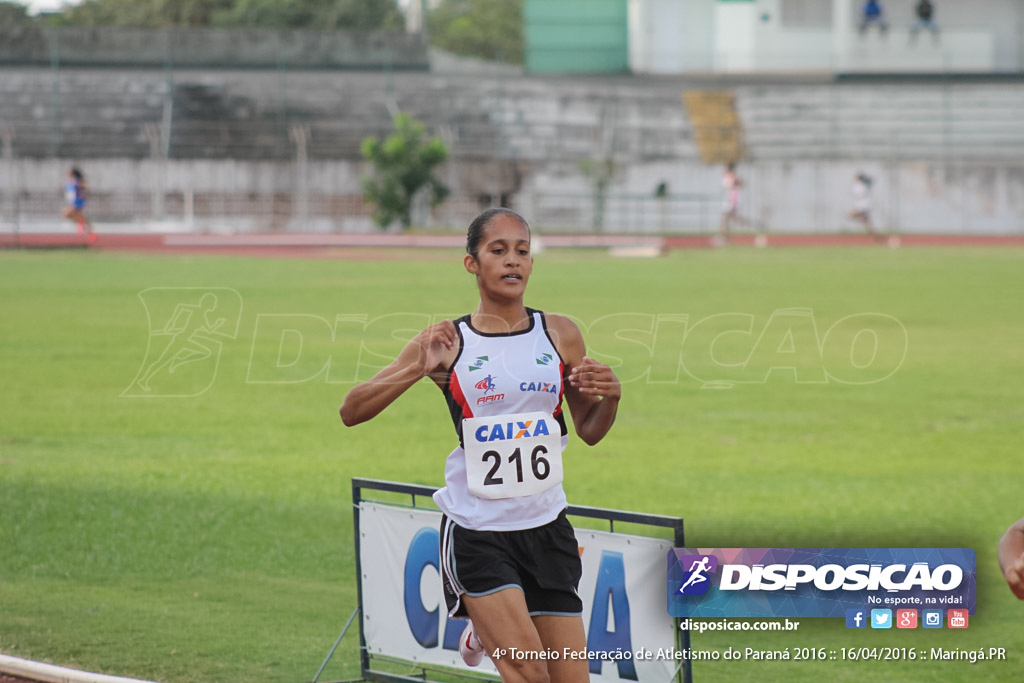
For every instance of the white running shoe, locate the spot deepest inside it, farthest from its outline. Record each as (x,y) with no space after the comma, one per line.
(470,647)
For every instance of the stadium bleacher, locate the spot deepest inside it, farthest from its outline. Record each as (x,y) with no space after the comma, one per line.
(964,119)
(507,134)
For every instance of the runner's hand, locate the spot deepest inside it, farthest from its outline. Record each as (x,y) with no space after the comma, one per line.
(434,343)
(1015,577)
(595,379)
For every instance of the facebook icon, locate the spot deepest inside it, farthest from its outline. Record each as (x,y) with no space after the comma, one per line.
(856,618)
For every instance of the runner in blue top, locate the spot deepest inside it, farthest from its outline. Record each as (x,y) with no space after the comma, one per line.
(509,557)
(75,193)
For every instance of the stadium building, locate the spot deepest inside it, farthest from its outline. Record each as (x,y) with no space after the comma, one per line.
(620,120)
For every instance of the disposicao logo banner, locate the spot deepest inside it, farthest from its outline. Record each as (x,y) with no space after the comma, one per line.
(817,582)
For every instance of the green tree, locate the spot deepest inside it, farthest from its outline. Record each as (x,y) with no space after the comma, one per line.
(404,165)
(142,13)
(323,15)
(13,15)
(489,29)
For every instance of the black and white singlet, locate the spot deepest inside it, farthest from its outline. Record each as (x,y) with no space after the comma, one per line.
(496,375)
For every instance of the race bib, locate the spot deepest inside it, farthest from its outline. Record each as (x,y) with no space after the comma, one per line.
(508,456)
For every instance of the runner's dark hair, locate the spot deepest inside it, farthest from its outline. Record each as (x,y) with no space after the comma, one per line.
(475,234)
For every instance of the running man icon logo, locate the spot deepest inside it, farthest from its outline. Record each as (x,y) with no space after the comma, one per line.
(486,385)
(187,330)
(696,580)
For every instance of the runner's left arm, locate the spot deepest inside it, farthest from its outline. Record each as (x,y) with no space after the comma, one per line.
(592,390)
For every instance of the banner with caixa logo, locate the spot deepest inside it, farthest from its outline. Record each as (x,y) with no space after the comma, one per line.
(404,615)
(817,582)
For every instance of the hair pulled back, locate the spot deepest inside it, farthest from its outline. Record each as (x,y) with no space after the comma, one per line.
(475,234)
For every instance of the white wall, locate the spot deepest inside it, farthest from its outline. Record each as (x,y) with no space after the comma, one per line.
(785,197)
(736,34)
(792,197)
(753,36)
(671,36)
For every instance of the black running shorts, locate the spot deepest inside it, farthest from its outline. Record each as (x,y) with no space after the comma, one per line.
(543,562)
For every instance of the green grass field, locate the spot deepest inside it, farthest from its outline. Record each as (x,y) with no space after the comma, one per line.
(208,537)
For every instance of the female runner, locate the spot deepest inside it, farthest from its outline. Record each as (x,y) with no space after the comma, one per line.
(76,192)
(509,556)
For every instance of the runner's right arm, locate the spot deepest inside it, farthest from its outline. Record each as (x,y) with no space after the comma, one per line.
(427,353)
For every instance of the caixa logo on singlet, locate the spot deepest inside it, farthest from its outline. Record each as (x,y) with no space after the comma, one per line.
(490,390)
(496,430)
(544,387)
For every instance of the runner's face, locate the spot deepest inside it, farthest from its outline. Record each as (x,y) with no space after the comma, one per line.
(503,263)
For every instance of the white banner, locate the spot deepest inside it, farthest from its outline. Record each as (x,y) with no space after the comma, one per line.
(623,591)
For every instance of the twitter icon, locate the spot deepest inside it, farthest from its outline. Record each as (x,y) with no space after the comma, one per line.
(881,618)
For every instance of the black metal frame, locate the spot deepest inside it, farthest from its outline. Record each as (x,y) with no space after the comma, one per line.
(684,674)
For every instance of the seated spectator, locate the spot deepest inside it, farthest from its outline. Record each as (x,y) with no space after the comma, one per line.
(924,12)
(872,15)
